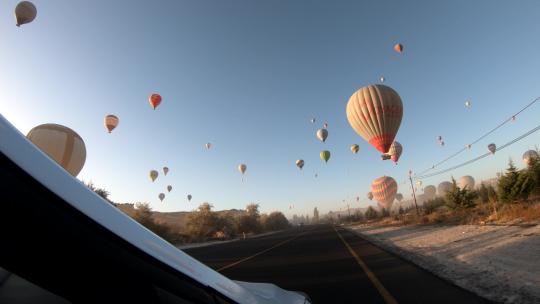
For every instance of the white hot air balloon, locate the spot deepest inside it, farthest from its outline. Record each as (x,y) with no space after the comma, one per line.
(322,134)
(208,146)
(444,187)
(395,151)
(313,120)
(430,191)
(527,156)
(466,181)
(492,148)
(382,79)
(467,104)
(62,144)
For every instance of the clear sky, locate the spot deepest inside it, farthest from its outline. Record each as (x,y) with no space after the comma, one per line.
(248,76)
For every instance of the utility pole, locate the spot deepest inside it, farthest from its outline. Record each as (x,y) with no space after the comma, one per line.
(349,210)
(413,193)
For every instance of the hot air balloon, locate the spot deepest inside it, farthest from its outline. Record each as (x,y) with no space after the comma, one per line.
(325,155)
(25,12)
(492,148)
(439,138)
(375,113)
(169,188)
(155,100)
(527,156)
(153,175)
(442,143)
(370,195)
(384,191)
(466,181)
(165,170)
(111,121)
(430,191)
(382,79)
(189,197)
(161,196)
(395,151)
(355,148)
(398,47)
(419,183)
(316,175)
(468,146)
(313,120)
(467,104)
(399,197)
(444,187)
(300,163)
(62,144)
(325,125)
(242,168)
(322,134)
(208,146)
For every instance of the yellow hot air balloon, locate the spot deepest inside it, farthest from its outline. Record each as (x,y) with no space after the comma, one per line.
(161,196)
(62,144)
(322,134)
(153,175)
(111,122)
(355,148)
(300,163)
(169,188)
(384,191)
(242,168)
(165,170)
(375,113)
(325,155)
(25,12)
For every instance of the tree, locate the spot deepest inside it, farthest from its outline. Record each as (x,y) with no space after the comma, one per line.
(385,212)
(203,222)
(483,193)
(249,222)
(99,191)
(515,185)
(458,198)
(371,213)
(276,221)
(315,216)
(253,210)
(143,214)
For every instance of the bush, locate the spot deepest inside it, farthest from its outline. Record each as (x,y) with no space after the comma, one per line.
(385,212)
(515,185)
(433,204)
(203,222)
(458,198)
(371,213)
(143,215)
(275,221)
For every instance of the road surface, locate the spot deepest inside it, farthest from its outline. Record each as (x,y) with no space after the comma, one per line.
(331,265)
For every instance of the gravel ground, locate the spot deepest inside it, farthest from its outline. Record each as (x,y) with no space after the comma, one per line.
(501,263)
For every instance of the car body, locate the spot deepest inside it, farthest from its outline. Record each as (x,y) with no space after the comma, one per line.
(60,243)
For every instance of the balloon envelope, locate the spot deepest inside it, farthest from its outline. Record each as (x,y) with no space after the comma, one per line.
(25,12)
(208,146)
(153,175)
(300,163)
(370,195)
(395,151)
(62,144)
(242,168)
(155,100)
(398,47)
(189,197)
(161,196)
(322,134)
(165,170)
(492,148)
(527,156)
(399,197)
(111,121)
(430,191)
(169,188)
(355,148)
(384,190)
(375,113)
(466,181)
(444,187)
(325,155)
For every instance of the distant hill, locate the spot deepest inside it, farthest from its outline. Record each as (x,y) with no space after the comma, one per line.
(176,220)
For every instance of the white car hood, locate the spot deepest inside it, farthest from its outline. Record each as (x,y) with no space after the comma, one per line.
(270,293)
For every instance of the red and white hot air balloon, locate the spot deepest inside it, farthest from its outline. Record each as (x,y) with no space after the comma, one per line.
(111,122)
(384,191)
(155,100)
(395,151)
(375,113)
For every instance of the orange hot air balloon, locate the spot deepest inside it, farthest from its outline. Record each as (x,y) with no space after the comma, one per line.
(111,121)
(375,113)
(398,47)
(155,100)
(384,190)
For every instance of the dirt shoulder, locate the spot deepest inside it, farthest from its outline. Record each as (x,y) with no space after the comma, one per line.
(501,263)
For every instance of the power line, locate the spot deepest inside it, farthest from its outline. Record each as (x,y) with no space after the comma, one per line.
(481,156)
(511,118)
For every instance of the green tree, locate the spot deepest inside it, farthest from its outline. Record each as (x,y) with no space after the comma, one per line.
(99,191)
(458,198)
(276,221)
(371,213)
(515,185)
(203,222)
(433,204)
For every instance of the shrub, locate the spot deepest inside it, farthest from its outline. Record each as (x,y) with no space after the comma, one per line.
(458,198)
(433,204)
(143,215)
(203,222)
(275,221)
(515,185)
(371,213)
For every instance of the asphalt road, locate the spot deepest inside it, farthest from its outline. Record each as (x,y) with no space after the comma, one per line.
(332,266)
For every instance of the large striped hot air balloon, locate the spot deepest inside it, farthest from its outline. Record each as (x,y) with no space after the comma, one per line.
(61,144)
(384,191)
(111,121)
(375,113)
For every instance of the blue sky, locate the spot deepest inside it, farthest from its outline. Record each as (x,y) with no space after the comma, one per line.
(248,76)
